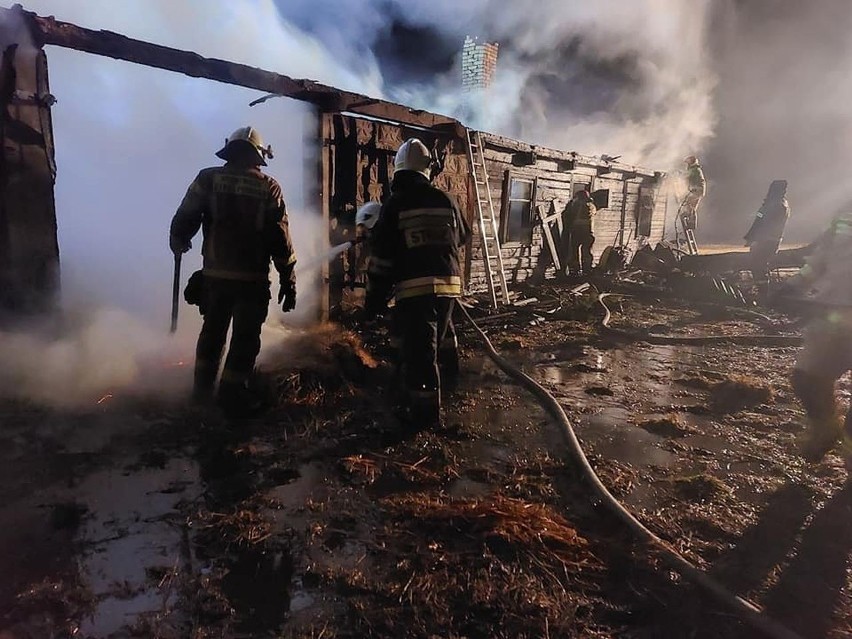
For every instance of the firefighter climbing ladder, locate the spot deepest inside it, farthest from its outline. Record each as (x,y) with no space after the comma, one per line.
(689,235)
(495,272)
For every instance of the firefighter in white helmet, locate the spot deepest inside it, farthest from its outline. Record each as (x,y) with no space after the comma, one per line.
(415,252)
(241,213)
(368,215)
(827,352)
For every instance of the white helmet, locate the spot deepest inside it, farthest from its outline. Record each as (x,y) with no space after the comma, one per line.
(413,156)
(368,214)
(246,135)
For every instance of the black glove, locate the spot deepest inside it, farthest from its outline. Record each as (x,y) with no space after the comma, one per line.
(287,297)
(374,306)
(179,246)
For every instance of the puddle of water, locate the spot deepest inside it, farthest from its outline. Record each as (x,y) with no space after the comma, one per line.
(310,483)
(300,599)
(483,451)
(627,443)
(128,532)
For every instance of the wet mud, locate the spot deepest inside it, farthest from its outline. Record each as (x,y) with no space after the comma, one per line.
(329,518)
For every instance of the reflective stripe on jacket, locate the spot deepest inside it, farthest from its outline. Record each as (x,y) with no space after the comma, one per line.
(415,244)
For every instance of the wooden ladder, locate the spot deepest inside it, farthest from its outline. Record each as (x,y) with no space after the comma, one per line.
(495,272)
(691,244)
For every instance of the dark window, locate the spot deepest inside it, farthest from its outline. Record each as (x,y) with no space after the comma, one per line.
(644,212)
(517,213)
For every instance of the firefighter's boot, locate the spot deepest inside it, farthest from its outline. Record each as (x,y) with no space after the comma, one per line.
(204,383)
(816,392)
(238,402)
(424,410)
(819,438)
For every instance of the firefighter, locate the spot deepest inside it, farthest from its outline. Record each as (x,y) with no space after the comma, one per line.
(415,252)
(578,232)
(697,189)
(242,215)
(827,351)
(764,236)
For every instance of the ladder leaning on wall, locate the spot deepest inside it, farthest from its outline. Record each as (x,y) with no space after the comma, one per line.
(495,272)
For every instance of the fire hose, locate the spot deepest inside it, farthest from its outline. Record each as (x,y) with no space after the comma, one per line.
(691,340)
(743,608)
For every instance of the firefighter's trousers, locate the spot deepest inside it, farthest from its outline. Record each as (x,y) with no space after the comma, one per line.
(425,325)
(760,254)
(242,306)
(825,357)
(580,252)
(689,211)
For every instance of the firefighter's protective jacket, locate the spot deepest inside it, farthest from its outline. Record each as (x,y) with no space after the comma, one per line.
(243,218)
(771,219)
(580,215)
(415,244)
(695,180)
(828,268)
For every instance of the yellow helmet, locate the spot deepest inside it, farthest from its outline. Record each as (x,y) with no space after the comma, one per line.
(242,136)
(413,156)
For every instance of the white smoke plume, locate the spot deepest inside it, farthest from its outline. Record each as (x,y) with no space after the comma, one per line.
(651,80)
(129,141)
(783,103)
(622,78)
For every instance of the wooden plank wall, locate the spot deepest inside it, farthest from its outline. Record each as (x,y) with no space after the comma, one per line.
(29,250)
(360,170)
(553,190)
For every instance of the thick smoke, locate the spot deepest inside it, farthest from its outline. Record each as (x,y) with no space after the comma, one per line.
(631,79)
(783,102)
(129,141)
(757,88)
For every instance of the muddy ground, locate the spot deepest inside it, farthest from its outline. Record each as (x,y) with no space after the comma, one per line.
(142,518)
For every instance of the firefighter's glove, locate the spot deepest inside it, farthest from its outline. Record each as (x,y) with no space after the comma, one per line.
(178,245)
(287,297)
(374,306)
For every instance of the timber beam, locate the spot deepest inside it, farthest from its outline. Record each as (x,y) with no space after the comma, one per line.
(49,31)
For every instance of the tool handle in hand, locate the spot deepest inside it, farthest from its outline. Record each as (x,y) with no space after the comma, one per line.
(176,293)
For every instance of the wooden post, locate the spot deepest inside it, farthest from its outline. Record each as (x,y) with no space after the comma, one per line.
(29,251)
(326,185)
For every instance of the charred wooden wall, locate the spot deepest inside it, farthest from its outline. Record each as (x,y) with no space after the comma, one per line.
(557,174)
(29,252)
(359,160)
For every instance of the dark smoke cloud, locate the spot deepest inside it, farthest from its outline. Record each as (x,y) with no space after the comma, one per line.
(604,77)
(758,88)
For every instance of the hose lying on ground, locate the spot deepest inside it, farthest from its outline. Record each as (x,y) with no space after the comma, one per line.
(743,608)
(692,340)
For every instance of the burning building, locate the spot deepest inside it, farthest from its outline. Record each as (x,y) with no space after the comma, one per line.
(513,206)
